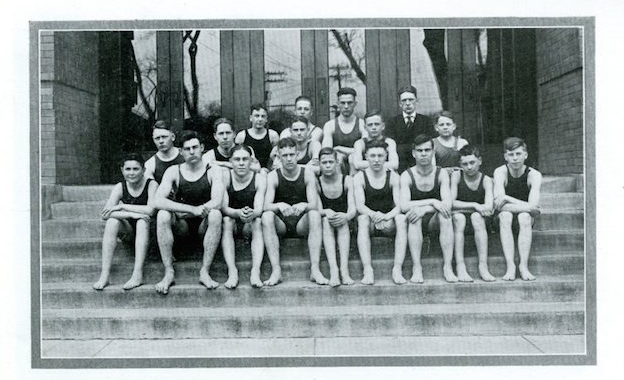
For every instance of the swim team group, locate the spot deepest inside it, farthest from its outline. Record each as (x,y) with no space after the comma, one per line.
(321,183)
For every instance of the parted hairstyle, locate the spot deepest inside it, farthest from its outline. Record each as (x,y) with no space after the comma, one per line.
(188,135)
(468,150)
(303,97)
(438,115)
(421,139)
(327,150)
(161,124)
(512,143)
(404,89)
(300,119)
(244,147)
(132,157)
(346,91)
(286,142)
(374,113)
(375,144)
(258,107)
(222,120)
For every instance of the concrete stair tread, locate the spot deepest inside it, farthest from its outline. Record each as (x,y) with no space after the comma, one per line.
(314,311)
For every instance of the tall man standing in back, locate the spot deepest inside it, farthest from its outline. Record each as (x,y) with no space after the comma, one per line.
(404,127)
(167,154)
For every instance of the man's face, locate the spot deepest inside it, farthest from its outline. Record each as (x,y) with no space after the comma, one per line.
(470,164)
(328,164)
(299,131)
(288,157)
(224,136)
(515,158)
(132,171)
(376,158)
(346,105)
(423,153)
(407,102)
(192,151)
(445,126)
(374,126)
(163,139)
(240,160)
(303,108)
(258,118)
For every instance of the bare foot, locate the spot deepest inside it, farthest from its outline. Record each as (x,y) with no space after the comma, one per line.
(369,276)
(134,281)
(254,278)
(334,278)
(485,273)
(275,278)
(317,276)
(462,274)
(417,276)
(101,283)
(525,274)
(510,275)
(206,280)
(232,280)
(346,277)
(449,276)
(397,276)
(168,280)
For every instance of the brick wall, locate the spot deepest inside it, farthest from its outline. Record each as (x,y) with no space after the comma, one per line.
(69,112)
(560,100)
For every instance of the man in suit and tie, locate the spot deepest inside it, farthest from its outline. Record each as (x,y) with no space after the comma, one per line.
(406,126)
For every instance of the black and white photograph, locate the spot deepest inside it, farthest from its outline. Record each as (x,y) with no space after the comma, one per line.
(237,193)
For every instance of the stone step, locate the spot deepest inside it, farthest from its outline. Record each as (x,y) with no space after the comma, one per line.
(552,184)
(80,295)
(79,270)
(92,209)
(560,220)
(544,242)
(316,321)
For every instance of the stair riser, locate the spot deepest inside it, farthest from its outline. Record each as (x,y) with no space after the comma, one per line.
(559,185)
(86,193)
(198,296)
(187,271)
(545,323)
(559,221)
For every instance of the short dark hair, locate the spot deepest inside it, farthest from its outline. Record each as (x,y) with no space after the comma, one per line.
(327,151)
(132,157)
(370,144)
(346,91)
(303,97)
(373,113)
(244,147)
(161,124)
(421,139)
(410,88)
(222,120)
(438,115)
(468,150)
(300,119)
(188,135)
(512,143)
(286,142)
(258,107)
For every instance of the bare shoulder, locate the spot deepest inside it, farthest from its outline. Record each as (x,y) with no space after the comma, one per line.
(117,189)
(487,179)
(261,181)
(391,143)
(358,179)
(500,172)
(273,135)
(348,181)
(455,176)
(285,133)
(271,178)
(309,176)
(150,163)
(534,175)
(329,126)
(461,143)
(394,178)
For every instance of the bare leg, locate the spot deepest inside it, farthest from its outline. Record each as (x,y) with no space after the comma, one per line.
(212,237)
(109,242)
(400,246)
(507,242)
(364,248)
(459,227)
(257,252)
(271,242)
(446,243)
(140,251)
(525,237)
(329,243)
(481,241)
(315,239)
(164,234)
(227,246)
(344,237)
(415,240)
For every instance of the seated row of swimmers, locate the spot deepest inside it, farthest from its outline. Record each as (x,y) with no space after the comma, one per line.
(218,201)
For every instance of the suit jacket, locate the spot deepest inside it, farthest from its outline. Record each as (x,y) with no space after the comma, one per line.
(397,130)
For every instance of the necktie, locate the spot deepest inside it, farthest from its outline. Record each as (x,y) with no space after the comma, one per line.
(409,123)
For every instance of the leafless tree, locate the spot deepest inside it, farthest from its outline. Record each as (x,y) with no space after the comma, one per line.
(192,99)
(345,40)
(149,67)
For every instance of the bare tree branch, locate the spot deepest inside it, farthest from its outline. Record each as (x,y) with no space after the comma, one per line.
(150,112)
(344,44)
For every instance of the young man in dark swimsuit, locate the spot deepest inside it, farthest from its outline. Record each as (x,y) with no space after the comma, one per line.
(307,148)
(290,207)
(127,213)
(337,205)
(166,156)
(303,108)
(472,195)
(446,146)
(259,137)
(242,211)
(196,209)
(377,193)
(220,156)
(516,198)
(426,202)
(374,128)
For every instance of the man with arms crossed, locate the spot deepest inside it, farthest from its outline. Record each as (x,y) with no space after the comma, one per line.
(337,205)
(290,207)
(242,213)
(374,128)
(166,156)
(426,202)
(377,200)
(516,198)
(472,196)
(196,209)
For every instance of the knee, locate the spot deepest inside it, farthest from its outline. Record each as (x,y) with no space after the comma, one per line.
(325,222)
(214,216)
(112,223)
(524,220)
(314,216)
(400,220)
(163,218)
(268,218)
(505,218)
(256,224)
(363,220)
(459,221)
(228,223)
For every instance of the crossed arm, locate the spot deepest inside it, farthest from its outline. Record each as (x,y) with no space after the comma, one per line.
(417,208)
(484,209)
(115,209)
(503,202)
